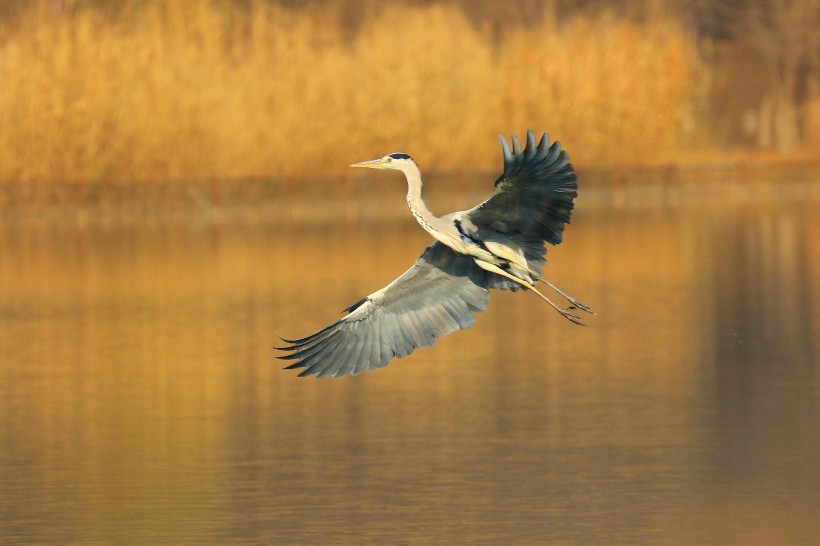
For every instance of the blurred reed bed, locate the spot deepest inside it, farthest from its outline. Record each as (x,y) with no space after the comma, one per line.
(188,90)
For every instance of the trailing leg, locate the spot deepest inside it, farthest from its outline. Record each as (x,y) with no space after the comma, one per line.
(495,269)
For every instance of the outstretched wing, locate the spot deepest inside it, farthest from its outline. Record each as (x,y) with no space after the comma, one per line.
(533,199)
(436,296)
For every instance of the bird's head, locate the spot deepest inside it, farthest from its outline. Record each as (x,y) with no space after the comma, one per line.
(396,161)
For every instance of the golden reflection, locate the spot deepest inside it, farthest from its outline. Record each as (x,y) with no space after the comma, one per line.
(143,403)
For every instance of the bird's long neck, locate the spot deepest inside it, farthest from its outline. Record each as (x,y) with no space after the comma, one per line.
(427,219)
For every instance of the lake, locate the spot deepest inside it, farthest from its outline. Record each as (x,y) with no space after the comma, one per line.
(141,403)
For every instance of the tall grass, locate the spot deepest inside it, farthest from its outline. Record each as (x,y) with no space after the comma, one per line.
(188,89)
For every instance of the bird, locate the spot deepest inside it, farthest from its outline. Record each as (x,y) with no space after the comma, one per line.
(498,244)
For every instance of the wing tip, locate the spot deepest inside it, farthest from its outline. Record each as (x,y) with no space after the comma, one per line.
(506,153)
(544,153)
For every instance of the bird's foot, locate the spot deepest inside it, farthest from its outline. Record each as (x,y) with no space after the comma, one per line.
(574,304)
(580,306)
(573,318)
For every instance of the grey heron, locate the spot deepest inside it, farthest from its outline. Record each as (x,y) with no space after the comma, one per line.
(497,244)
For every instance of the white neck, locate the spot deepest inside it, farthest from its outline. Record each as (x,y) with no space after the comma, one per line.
(427,219)
(442,230)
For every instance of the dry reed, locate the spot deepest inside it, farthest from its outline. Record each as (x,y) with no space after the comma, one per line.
(186,89)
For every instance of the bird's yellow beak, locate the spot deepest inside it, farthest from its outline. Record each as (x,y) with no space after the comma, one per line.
(372,164)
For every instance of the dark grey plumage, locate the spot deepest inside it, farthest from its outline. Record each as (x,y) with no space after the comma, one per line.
(533,200)
(534,196)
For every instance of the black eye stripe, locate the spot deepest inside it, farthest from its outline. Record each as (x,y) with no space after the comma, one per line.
(399,155)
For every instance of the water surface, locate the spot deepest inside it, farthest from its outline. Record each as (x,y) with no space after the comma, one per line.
(140,402)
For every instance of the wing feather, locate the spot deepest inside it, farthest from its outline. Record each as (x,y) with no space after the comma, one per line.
(534,196)
(435,297)
(408,326)
(332,361)
(319,359)
(374,360)
(361,353)
(305,351)
(344,362)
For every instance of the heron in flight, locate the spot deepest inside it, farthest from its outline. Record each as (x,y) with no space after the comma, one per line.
(497,244)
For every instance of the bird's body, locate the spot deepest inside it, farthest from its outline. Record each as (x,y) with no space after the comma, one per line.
(497,244)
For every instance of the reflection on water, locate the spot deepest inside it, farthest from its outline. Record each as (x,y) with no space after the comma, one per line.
(141,403)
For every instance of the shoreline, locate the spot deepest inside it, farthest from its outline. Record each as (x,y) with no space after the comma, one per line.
(360,198)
